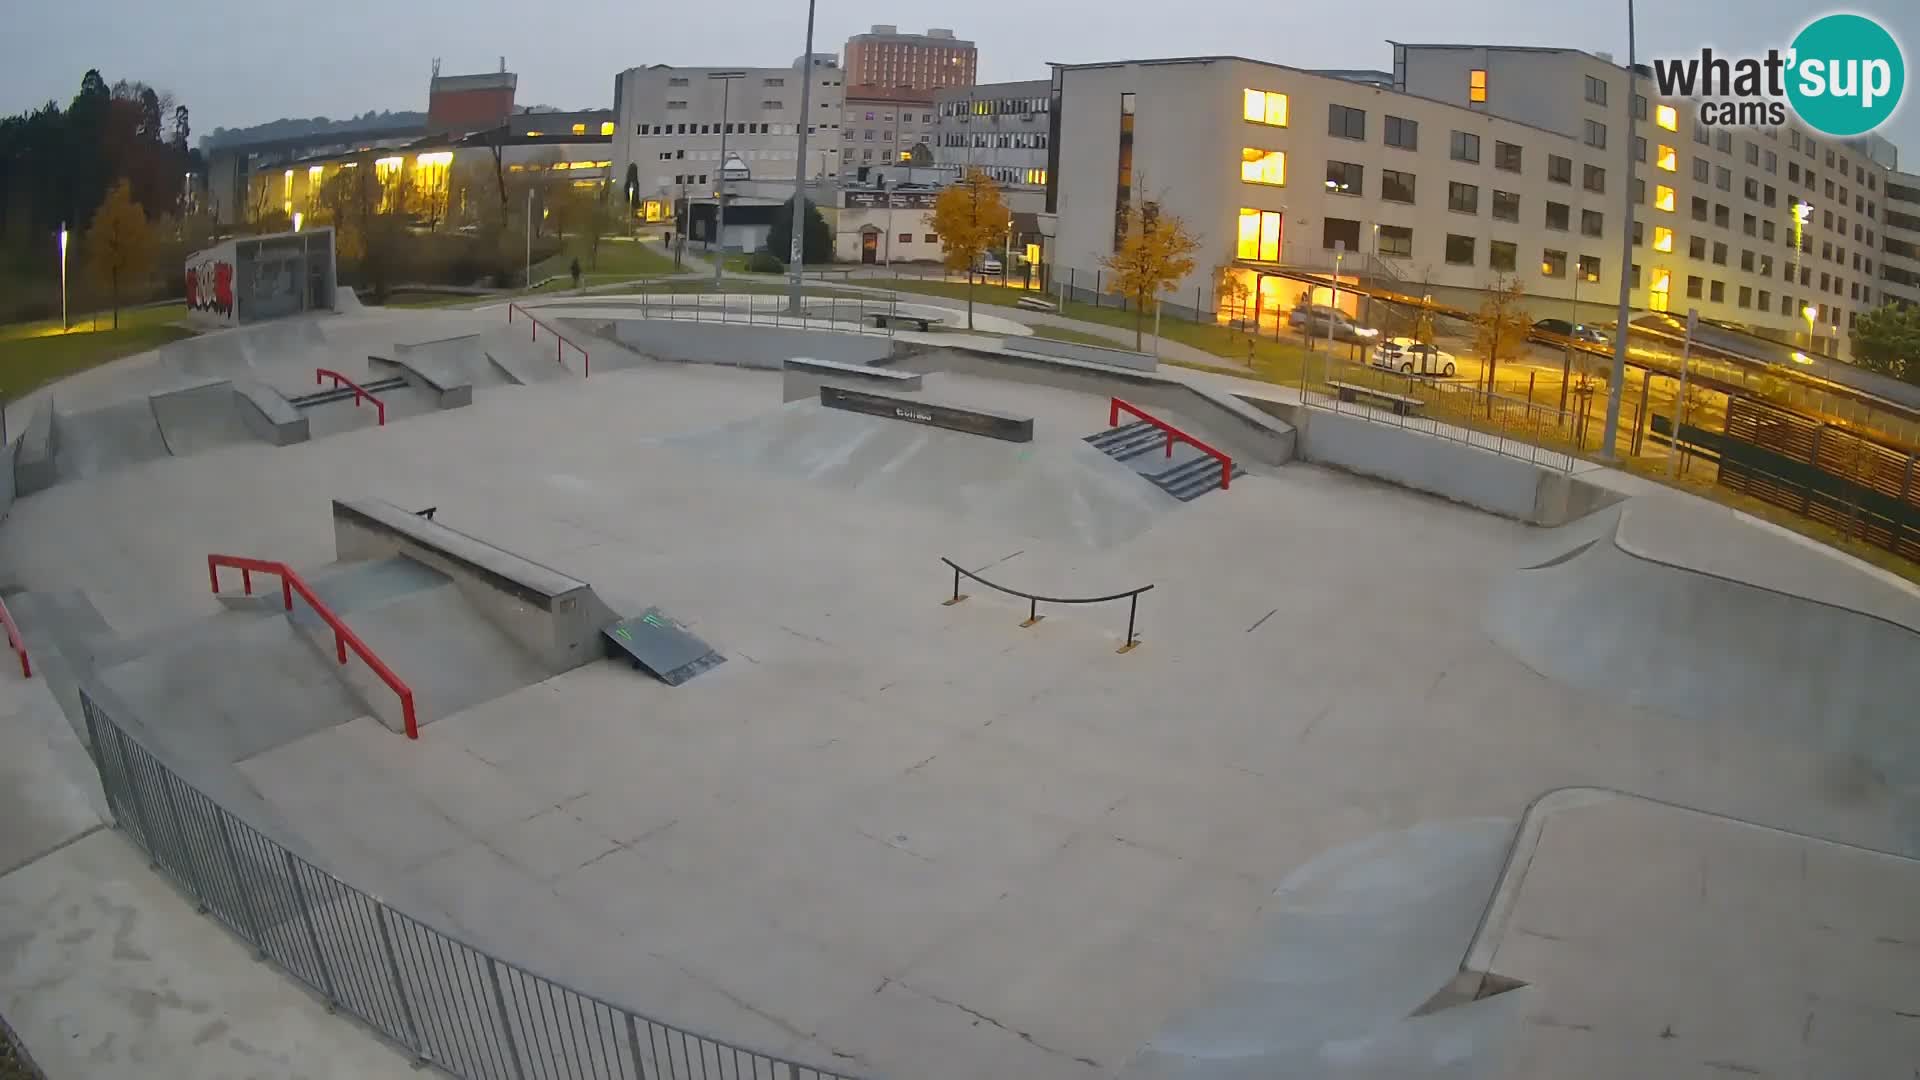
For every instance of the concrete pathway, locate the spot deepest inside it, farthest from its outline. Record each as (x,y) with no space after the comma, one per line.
(105,971)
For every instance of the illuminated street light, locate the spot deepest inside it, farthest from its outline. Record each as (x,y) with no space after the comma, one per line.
(64,325)
(297,218)
(1806,312)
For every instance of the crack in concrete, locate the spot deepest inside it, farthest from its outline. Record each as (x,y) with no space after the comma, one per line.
(1024,1036)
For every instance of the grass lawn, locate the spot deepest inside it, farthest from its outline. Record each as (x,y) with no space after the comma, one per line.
(618,259)
(1079,337)
(37,353)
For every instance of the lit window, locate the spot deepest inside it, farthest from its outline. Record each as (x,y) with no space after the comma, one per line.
(1263,166)
(1666,160)
(1657,293)
(579,129)
(606,127)
(1265,107)
(1477,84)
(537,134)
(1666,117)
(1663,198)
(1662,238)
(1259,235)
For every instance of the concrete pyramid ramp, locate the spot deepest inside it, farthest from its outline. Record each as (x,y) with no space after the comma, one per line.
(200,418)
(1704,617)
(463,357)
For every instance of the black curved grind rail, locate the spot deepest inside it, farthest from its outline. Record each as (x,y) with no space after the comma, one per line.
(1131,596)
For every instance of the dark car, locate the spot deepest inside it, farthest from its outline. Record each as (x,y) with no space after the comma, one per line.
(1558,331)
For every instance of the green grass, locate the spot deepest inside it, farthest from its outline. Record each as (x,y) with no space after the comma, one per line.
(1081,337)
(34,354)
(617,261)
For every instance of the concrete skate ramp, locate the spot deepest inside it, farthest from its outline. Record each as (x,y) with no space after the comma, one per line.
(101,440)
(1049,489)
(556,618)
(464,357)
(1358,940)
(511,357)
(1834,666)
(198,418)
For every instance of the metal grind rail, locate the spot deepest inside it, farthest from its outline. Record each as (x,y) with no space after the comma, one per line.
(339,380)
(15,641)
(1034,600)
(560,341)
(1115,407)
(343,637)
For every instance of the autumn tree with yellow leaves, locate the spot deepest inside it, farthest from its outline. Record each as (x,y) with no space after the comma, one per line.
(970,217)
(1155,255)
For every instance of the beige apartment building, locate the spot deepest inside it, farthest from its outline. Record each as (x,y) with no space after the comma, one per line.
(1462,166)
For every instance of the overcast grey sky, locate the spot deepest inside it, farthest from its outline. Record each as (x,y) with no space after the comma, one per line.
(236,64)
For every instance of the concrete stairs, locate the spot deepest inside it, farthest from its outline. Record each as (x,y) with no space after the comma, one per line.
(1186,475)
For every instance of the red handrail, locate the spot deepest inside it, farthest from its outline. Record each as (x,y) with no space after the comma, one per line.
(18,642)
(1226,463)
(343,637)
(358,391)
(586,362)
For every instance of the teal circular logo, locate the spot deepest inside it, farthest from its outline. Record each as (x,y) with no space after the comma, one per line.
(1846,75)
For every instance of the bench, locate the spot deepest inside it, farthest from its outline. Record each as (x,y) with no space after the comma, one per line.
(1401,404)
(882,319)
(1035,303)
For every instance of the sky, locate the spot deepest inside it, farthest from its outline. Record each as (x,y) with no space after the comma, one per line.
(236,64)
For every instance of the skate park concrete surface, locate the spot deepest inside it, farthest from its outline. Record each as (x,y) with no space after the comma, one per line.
(899,837)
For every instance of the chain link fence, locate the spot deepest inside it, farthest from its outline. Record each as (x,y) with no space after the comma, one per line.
(447,1003)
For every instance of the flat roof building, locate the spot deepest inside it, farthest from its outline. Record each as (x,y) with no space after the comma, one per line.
(1000,128)
(886,57)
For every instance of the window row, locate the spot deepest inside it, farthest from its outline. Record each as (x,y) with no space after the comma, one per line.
(716,129)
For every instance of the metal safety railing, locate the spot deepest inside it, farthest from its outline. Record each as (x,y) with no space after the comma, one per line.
(560,341)
(1115,407)
(447,1003)
(343,637)
(1034,600)
(321,375)
(851,314)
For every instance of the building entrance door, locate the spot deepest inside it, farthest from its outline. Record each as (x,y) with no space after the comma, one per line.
(870,247)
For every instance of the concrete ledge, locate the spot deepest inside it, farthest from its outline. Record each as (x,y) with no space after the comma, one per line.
(744,346)
(802,377)
(450,390)
(1222,419)
(556,617)
(269,414)
(1464,474)
(941,414)
(1092,354)
(33,461)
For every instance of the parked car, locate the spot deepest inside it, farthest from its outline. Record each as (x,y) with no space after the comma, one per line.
(1413,358)
(989,264)
(1557,331)
(1314,320)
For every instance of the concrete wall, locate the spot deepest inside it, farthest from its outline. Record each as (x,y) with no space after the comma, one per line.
(6,476)
(1464,474)
(555,617)
(802,377)
(33,461)
(1092,354)
(1221,419)
(746,346)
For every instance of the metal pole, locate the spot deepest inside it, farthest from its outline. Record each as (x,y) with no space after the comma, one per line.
(720,196)
(65,325)
(1617,384)
(1333,299)
(1156,328)
(1679,406)
(800,167)
(529,244)
(1566,362)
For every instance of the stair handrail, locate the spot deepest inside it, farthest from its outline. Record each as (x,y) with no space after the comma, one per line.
(586,362)
(16,641)
(1034,600)
(343,636)
(358,390)
(1116,406)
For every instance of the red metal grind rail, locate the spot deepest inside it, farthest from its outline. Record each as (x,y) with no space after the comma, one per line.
(559,340)
(339,380)
(16,641)
(1116,406)
(343,637)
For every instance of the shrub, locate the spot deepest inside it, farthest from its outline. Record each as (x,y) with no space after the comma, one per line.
(765,262)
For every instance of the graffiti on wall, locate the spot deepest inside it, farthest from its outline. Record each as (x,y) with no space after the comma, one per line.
(210,288)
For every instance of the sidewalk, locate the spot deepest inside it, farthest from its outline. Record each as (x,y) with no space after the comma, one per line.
(105,971)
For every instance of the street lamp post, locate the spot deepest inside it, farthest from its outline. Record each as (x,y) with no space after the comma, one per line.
(800,168)
(1806,312)
(1618,382)
(1566,362)
(529,236)
(725,78)
(64,324)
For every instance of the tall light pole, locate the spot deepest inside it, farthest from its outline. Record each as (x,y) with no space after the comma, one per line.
(64,324)
(725,78)
(529,236)
(1806,312)
(1618,383)
(796,250)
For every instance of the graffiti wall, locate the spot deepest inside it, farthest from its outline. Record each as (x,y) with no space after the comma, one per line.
(210,287)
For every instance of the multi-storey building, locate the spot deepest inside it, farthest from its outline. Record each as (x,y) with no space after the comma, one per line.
(1478,164)
(1000,128)
(1900,239)
(886,57)
(883,126)
(669,124)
